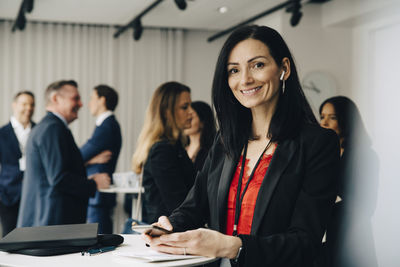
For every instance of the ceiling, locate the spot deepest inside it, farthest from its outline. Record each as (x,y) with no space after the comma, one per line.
(199,14)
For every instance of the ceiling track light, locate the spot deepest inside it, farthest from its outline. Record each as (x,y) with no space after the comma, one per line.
(20,21)
(29,5)
(136,23)
(296,13)
(181,4)
(137,30)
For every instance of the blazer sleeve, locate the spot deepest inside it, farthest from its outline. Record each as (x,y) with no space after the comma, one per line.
(299,244)
(166,171)
(58,158)
(96,144)
(194,211)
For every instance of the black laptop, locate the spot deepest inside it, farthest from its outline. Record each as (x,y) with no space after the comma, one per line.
(52,237)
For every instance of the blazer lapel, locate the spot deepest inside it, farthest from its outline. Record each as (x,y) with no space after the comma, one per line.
(223,187)
(282,156)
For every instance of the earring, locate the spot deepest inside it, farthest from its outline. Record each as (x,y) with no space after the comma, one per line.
(283,86)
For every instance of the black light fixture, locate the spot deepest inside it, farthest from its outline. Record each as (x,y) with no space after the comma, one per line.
(296,13)
(181,4)
(20,21)
(136,23)
(137,29)
(29,5)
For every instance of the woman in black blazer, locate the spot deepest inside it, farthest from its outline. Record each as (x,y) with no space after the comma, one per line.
(168,172)
(280,216)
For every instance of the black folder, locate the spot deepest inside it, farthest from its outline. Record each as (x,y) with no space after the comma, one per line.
(52,236)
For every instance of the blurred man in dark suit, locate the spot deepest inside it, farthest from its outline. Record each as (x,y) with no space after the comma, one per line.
(13,137)
(55,189)
(106,137)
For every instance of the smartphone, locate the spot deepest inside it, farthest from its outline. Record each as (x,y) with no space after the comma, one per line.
(152,230)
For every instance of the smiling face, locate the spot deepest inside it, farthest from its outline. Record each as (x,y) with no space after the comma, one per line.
(183,111)
(253,75)
(68,102)
(23,108)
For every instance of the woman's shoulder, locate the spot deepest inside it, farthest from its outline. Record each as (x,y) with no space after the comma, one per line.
(164,146)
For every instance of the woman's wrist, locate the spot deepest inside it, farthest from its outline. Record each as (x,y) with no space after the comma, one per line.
(231,247)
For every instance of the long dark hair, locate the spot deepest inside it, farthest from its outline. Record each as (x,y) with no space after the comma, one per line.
(234,119)
(206,117)
(349,120)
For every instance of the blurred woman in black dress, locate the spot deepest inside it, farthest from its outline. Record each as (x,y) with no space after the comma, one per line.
(201,134)
(349,239)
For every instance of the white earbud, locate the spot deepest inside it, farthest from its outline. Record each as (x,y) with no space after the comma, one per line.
(283,74)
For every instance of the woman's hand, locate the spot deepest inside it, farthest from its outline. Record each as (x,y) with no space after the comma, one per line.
(201,241)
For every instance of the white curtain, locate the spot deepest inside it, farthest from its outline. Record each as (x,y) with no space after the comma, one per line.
(46,52)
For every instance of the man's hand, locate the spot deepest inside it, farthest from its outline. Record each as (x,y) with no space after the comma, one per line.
(101,158)
(102,180)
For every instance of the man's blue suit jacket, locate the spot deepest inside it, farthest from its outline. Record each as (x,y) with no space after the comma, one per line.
(55,188)
(106,136)
(10,174)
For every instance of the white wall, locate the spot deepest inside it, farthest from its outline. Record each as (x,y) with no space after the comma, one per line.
(375,67)
(199,59)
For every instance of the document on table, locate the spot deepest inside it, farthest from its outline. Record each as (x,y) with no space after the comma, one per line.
(150,255)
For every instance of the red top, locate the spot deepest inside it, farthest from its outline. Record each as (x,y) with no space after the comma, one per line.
(250,197)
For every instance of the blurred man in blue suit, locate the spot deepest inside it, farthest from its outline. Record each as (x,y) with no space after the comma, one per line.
(13,137)
(55,188)
(106,137)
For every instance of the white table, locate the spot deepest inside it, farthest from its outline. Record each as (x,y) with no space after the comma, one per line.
(128,183)
(136,201)
(101,260)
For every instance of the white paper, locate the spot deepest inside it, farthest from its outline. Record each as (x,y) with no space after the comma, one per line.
(150,255)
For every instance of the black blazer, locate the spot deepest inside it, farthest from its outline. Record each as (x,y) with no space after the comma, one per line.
(10,175)
(168,175)
(293,204)
(55,189)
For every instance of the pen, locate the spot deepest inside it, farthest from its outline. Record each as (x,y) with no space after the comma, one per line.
(94,251)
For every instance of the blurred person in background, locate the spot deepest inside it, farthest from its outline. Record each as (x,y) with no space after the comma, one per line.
(349,229)
(168,172)
(55,188)
(201,134)
(13,138)
(106,139)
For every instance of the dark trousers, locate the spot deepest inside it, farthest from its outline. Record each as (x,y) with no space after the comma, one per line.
(9,216)
(101,215)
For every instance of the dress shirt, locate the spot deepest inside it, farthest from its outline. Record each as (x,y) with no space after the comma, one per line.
(22,136)
(102,117)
